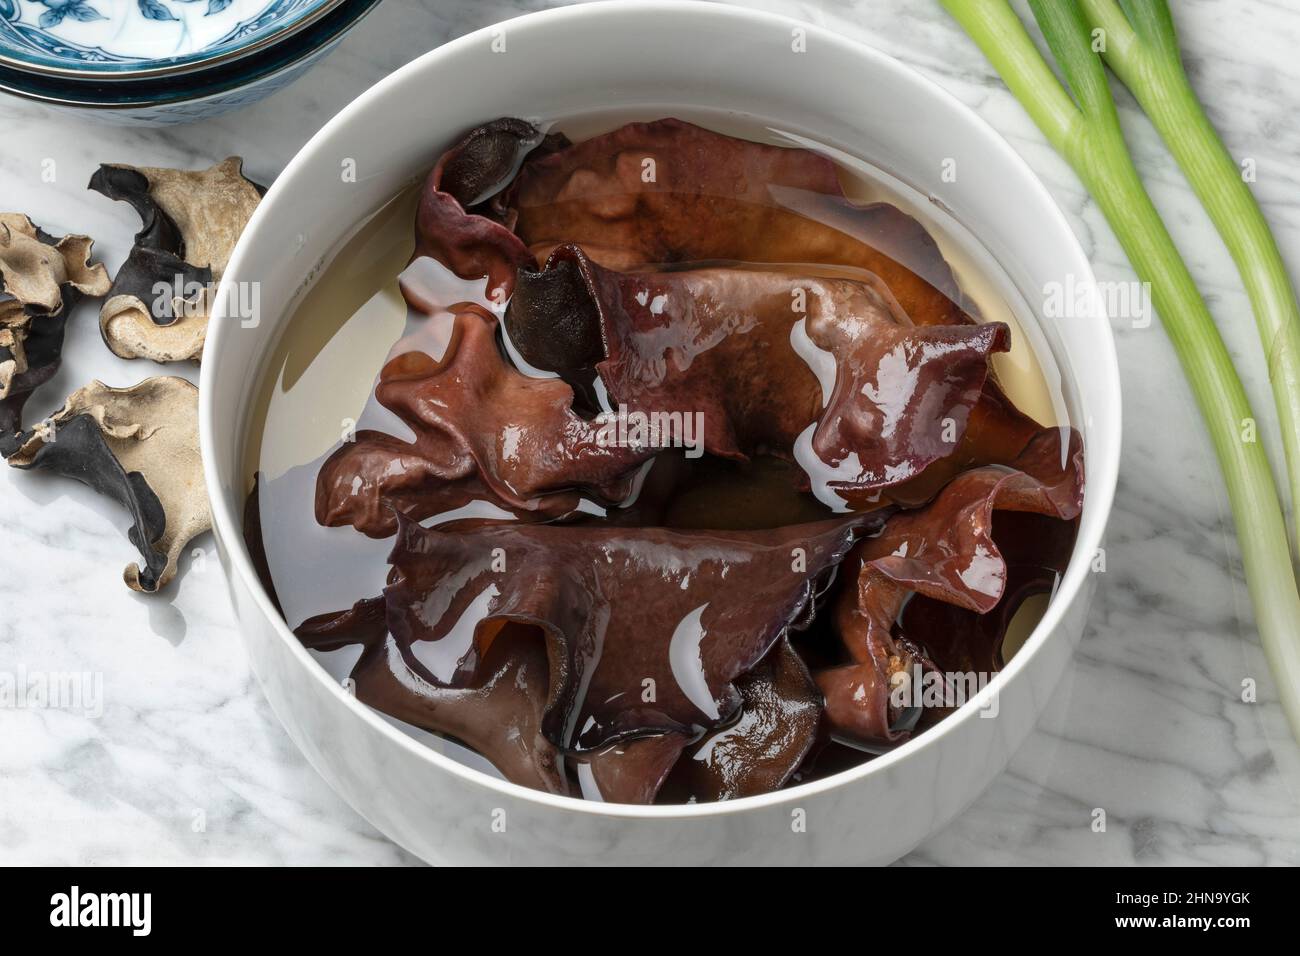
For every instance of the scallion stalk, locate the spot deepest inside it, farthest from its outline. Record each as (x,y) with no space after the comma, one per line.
(1085,130)
(1140,45)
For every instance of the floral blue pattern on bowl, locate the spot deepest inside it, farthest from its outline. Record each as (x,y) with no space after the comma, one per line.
(166,99)
(117,38)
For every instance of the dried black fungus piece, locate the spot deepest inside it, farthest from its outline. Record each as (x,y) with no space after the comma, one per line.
(31,350)
(191,219)
(42,277)
(140,447)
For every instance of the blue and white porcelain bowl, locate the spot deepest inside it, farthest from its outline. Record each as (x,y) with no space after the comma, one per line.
(132,39)
(252,58)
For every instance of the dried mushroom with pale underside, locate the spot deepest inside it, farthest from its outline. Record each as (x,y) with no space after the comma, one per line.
(42,277)
(191,220)
(140,447)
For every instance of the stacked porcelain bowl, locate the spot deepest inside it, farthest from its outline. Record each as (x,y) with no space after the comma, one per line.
(164,61)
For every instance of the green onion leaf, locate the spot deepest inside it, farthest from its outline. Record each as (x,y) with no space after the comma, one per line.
(1088,135)
(1142,48)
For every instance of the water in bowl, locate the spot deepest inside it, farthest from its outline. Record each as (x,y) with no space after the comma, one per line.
(315,391)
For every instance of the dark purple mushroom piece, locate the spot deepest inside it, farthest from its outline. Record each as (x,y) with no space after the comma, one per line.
(646,628)
(759,752)
(483,430)
(667,193)
(629,771)
(649,194)
(620,647)
(946,552)
(1036,549)
(498,712)
(460,221)
(996,433)
(764,356)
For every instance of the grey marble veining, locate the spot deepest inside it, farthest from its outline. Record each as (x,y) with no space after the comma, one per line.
(188,764)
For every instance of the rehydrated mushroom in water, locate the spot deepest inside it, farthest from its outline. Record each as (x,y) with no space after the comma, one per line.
(191,220)
(946,552)
(460,222)
(482,430)
(42,277)
(617,606)
(883,393)
(499,713)
(739,286)
(140,447)
(566,646)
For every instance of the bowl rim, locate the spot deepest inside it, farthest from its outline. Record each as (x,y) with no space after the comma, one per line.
(1103,461)
(292,53)
(174,65)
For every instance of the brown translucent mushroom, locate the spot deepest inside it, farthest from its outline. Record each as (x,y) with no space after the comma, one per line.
(646,628)
(759,752)
(498,712)
(946,552)
(618,646)
(630,771)
(688,272)
(670,192)
(763,357)
(460,222)
(482,430)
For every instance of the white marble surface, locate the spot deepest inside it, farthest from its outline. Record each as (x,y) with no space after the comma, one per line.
(186,763)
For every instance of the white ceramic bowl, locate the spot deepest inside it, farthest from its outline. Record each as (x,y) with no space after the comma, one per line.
(643,57)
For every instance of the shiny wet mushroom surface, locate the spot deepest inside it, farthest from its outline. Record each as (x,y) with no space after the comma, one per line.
(682,477)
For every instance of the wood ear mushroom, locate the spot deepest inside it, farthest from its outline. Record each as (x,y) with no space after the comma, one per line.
(190,221)
(140,447)
(42,277)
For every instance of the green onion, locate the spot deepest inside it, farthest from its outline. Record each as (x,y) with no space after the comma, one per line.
(1085,130)
(1142,48)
